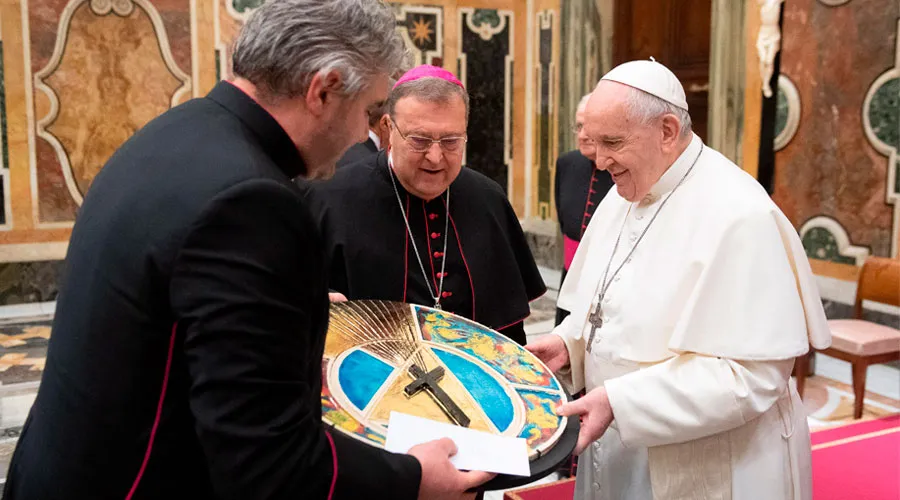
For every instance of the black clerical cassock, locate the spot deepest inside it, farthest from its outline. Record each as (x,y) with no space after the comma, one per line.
(186,354)
(486,273)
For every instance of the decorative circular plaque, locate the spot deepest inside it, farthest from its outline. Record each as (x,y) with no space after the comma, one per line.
(388,356)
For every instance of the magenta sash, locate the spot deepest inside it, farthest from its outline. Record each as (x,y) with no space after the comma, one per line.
(569,248)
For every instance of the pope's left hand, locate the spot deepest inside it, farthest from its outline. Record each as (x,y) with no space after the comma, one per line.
(596,413)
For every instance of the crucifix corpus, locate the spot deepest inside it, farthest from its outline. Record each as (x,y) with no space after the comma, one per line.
(596,321)
(429,383)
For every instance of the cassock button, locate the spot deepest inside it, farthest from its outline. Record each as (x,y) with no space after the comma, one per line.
(446,294)
(435,236)
(438,255)
(441,275)
(432,216)
(639,217)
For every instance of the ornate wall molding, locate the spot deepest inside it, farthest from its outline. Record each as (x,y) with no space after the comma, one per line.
(881,123)
(240,10)
(422,29)
(546,120)
(826,239)
(787,119)
(488,24)
(121,8)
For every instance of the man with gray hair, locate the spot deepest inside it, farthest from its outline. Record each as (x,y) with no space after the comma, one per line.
(185,359)
(690,297)
(580,187)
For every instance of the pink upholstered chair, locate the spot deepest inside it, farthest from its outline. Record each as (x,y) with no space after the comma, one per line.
(860,342)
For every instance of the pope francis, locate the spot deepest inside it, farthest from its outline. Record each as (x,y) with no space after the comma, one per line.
(690,296)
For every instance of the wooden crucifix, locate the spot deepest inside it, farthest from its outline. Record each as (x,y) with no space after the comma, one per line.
(429,383)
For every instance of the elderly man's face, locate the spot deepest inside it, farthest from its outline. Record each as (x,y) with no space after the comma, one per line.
(585,144)
(428,173)
(632,152)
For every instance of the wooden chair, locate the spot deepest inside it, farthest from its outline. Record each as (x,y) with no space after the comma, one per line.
(863,343)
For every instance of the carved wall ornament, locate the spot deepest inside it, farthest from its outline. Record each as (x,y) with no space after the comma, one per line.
(787,115)
(120,7)
(825,238)
(486,23)
(768,41)
(422,30)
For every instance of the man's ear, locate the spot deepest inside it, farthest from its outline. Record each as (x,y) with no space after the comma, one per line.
(323,88)
(671,130)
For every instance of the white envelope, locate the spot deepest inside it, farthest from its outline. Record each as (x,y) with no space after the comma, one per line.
(476,450)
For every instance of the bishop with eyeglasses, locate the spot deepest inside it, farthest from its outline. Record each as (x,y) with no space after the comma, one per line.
(411,224)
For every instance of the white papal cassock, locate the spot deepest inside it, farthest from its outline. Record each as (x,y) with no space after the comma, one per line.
(701,328)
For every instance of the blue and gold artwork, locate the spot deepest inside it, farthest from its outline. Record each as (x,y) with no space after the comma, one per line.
(387,356)
(506,357)
(541,418)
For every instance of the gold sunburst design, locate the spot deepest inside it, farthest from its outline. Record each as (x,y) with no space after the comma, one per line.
(421,31)
(378,354)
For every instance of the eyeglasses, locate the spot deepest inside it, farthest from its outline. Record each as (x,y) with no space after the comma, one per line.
(419,144)
(577,130)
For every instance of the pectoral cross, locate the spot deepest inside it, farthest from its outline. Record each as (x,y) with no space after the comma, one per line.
(596,321)
(429,383)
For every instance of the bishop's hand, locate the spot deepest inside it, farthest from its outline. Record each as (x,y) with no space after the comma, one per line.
(440,478)
(596,415)
(551,349)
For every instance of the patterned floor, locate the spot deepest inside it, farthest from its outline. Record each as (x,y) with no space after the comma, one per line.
(23,351)
(830,403)
(23,348)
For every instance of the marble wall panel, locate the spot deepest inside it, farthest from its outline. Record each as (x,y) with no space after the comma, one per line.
(828,170)
(485,66)
(546,119)
(108,71)
(422,28)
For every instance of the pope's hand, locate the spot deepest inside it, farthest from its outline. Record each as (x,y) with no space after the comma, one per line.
(440,478)
(551,349)
(596,415)
(336,297)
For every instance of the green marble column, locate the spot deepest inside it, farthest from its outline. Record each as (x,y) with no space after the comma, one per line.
(726,77)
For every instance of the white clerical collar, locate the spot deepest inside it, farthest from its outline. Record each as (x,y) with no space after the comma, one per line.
(674,174)
(375,139)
